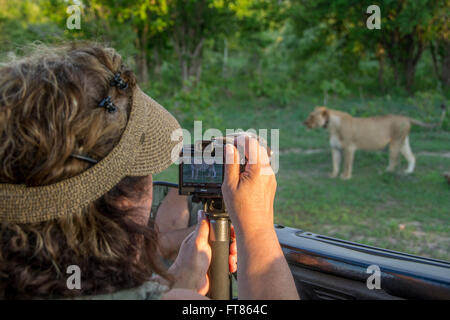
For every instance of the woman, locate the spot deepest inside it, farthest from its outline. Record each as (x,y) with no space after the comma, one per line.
(79,143)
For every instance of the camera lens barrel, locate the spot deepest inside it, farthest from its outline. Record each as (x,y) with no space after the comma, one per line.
(219,275)
(219,237)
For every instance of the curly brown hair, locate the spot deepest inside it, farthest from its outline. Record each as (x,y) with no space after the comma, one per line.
(48,111)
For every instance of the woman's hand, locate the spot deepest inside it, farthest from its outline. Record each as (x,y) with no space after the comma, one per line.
(192,263)
(263,271)
(249,195)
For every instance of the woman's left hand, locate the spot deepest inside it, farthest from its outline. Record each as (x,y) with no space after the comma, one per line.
(191,265)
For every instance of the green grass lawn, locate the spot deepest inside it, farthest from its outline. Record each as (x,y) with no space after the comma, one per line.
(391,210)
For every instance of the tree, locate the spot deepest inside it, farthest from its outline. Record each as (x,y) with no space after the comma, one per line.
(184,24)
(440,45)
(404,35)
(193,22)
(149,23)
(24,22)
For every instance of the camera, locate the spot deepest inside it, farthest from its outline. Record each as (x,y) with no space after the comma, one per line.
(201,169)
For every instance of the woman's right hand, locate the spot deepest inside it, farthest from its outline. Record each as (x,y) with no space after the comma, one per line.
(249,195)
(263,272)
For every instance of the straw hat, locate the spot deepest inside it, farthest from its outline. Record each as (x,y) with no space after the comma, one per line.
(145,147)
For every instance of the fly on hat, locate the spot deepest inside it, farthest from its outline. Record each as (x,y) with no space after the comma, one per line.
(144,148)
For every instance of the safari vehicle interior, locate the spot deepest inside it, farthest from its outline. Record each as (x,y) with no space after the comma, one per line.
(326,268)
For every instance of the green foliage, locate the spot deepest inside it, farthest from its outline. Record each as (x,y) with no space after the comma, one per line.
(406,28)
(21,23)
(268,52)
(334,86)
(195,104)
(427,102)
(276,50)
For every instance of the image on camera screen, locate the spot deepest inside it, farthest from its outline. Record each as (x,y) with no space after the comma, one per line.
(202,173)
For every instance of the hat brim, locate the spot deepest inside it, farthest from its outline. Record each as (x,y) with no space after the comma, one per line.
(160,143)
(148,145)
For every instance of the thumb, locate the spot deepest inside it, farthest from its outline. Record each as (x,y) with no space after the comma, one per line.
(202,230)
(232,167)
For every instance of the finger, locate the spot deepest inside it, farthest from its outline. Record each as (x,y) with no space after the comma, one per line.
(258,158)
(232,260)
(189,236)
(231,177)
(233,245)
(201,232)
(204,286)
(252,150)
(264,155)
(232,263)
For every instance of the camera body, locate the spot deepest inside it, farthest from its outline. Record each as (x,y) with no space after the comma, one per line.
(202,165)
(201,170)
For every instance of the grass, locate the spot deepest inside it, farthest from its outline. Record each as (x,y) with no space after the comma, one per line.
(391,210)
(405,213)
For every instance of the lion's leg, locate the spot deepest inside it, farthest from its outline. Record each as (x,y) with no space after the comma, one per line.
(336,155)
(407,153)
(349,154)
(394,148)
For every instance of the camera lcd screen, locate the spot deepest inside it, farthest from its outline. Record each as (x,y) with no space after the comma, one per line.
(202,174)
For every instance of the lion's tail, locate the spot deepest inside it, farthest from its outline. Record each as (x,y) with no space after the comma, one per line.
(431,125)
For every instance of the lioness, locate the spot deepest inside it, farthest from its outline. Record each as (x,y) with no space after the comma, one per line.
(347,134)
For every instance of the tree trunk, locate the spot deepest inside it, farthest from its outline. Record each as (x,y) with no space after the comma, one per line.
(410,71)
(157,62)
(417,48)
(188,39)
(435,61)
(195,70)
(190,60)
(142,59)
(446,66)
(225,57)
(404,52)
(143,67)
(440,53)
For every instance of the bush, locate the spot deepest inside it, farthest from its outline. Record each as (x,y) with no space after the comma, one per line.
(195,103)
(334,86)
(428,103)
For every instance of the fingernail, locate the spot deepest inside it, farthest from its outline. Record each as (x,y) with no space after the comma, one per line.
(229,148)
(199,216)
(229,154)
